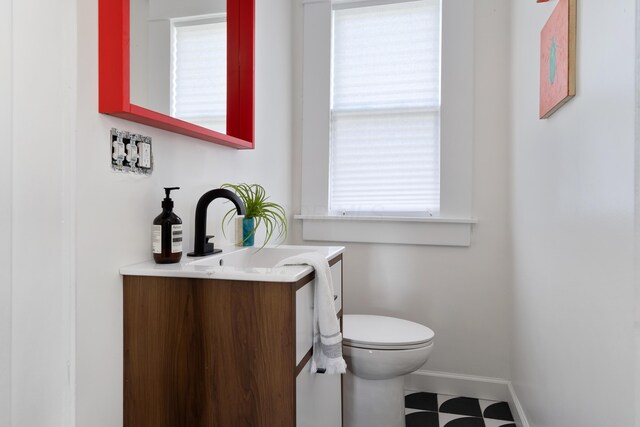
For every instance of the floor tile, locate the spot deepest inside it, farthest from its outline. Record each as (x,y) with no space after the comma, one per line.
(462,406)
(443,398)
(441,410)
(484,404)
(498,411)
(426,401)
(498,423)
(455,420)
(422,419)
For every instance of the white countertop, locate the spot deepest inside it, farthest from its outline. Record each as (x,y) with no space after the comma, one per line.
(236,263)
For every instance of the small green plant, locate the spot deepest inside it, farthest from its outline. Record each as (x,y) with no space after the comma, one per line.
(258,206)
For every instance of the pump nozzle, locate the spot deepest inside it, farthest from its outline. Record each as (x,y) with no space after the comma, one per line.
(168,190)
(167,203)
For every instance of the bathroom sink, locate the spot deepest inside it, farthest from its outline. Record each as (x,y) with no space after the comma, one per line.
(252,257)
(237,263)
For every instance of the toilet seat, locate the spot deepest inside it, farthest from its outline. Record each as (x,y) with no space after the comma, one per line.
(384,333)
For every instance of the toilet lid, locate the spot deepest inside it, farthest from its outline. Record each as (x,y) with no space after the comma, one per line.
(368,331)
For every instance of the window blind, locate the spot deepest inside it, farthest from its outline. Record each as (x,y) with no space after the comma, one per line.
(199,73)
(385,108)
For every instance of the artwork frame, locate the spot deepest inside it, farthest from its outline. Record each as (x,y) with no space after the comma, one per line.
(558,58)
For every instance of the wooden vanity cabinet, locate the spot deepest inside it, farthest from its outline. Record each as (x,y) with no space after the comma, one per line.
(203,352)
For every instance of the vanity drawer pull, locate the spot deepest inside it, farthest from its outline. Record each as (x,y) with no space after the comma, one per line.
(335,297)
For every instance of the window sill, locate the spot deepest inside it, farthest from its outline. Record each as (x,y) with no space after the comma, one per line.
(383,229)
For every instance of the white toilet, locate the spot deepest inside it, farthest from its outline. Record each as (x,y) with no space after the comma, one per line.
(379,352)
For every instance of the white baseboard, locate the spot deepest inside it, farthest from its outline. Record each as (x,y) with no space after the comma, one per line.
(518,414)
(485,388)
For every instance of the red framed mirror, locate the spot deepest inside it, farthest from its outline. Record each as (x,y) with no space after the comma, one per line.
(115,75)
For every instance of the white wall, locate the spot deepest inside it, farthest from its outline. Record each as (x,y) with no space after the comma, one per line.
(114,212)
(461,293)
(167,9)
(5,211)
(42,219)
(637,219)
(573,224)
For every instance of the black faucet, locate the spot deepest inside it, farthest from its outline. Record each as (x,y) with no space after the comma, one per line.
(201,245)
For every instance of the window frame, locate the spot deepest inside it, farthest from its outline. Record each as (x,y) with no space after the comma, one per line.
(452,225)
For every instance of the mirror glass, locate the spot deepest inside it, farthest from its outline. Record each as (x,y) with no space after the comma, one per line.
(178,54)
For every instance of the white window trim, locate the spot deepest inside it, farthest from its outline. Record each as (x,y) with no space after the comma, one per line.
(452,227)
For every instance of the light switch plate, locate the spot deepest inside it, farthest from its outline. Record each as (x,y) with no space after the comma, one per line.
(131,152)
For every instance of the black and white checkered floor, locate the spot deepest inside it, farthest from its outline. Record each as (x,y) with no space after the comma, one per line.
(441,410)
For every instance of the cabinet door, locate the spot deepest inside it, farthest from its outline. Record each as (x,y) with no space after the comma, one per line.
(318,399)
(336,278)
(304,320)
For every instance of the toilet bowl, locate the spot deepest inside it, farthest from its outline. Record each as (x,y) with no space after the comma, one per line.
(379,352)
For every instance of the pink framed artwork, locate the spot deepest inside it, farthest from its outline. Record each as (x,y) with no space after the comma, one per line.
(558,58)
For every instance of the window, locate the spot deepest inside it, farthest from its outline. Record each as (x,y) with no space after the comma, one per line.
(385,109)
(387,121)
(199,71)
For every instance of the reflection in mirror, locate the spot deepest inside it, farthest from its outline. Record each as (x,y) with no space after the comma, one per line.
(179,59)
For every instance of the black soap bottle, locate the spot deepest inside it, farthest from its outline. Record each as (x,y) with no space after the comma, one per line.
(167,233)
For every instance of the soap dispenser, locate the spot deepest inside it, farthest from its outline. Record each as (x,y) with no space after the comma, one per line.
(167,233)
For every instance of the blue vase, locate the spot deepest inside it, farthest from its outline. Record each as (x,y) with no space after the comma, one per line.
(247,230)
